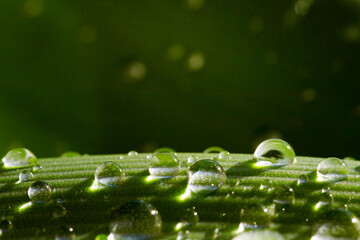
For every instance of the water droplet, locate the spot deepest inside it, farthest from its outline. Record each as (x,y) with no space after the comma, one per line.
(39,192)
(325,200)
(283,199)
(331,169)
(37,167)
(109,174)
(19,157)
(59,211)
(70,154)
(164,165)
(65,233)
(164,149)
(60,200)
(274,153)
(214,149)
(149,156)
(266,186)
(136,71)
(132,153)
(224,155)
(205,176)
(192,159)
(122,157)
(188,218)
(5,226)
(336,224)
(302,7)
(303,179)
(134,220)
(25,176)
(254,217)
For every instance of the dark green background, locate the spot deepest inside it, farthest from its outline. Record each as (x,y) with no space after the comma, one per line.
(268,72)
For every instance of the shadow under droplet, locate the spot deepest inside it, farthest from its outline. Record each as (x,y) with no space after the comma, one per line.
(248,168)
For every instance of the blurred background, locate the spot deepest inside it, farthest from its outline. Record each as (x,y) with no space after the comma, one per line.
(112,76)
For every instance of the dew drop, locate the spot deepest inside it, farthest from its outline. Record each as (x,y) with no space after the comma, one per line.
(132,153)
(303,179)
(224,155)
(164,149)
(254,217)
(274,153)
(60,200)
(109,174)
(214,149)
(134,220)
(149,156)
(336,224)
(164,165)
(205,176)
(266,186)
(283,195)
(265,234)
(188,218)
(25,176)
(65,233)
(59,211)
(196,61)
(191,159)
(325,200)
(39,192)
(331,169)
(19,157)
(70,154)
(37,167)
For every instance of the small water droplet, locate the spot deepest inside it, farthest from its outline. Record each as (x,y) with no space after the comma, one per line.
(60,200)
(135,220)
(109,174)
(192,159)
(266,186)
(188,218)
(65,233)
(303,179)
(136,72)
(283,198)
(39,192)
(5,226)
(149,156)
(336,224)
(132,153)
(224,155)
(331,169)
(274,153)
(205,176)
(254,217)
(37,168)
(70,154)
(122,157)
(19,157)
(164,165)
(325,199)
(214,149)
(25,176)
(261,234)
(59,211)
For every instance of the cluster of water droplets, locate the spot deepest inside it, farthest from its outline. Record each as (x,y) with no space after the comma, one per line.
(137,219)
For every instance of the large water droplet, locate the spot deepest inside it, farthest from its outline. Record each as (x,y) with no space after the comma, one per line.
(331,169)
(164,165)
(164,149)
(19,157)
(214,149)
(39,192)
(134,220)
(109,174)
(25,176)
(274,153)
(205,176)
(336,224)
(70,154)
